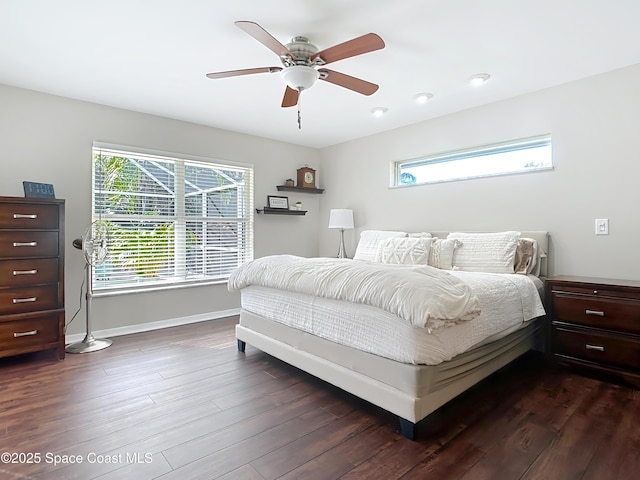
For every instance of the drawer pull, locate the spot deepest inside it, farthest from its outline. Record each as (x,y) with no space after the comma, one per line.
(24,272)
(594,312)
(25,244)
(24,215)
(25,334)
(599,348)
(25,300)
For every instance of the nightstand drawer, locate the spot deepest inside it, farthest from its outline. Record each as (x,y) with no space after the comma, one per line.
(28,299)
(599,348)
(595,290)
(609,314)
(17,273)
(31,332)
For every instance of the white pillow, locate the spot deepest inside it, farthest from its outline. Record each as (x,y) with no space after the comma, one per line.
(441,253)
(367,248)
(486,252)
(404,251)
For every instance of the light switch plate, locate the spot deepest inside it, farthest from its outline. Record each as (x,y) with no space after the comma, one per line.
(602,226)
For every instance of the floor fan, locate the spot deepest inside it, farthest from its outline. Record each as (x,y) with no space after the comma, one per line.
(95,248)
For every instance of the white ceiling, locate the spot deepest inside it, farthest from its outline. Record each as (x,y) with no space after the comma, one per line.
(152,56)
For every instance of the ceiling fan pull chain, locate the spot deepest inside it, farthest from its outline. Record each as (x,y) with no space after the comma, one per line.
(299,117)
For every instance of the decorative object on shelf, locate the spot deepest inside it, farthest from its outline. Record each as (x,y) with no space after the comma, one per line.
(341,218)
(38,190)
(306,177)
(274,201)
(289,182)
(298,205)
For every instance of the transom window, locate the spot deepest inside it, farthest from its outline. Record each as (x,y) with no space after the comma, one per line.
(515,156)
(170,221)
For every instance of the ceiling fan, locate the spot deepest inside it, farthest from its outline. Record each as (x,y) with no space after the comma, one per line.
(301,59)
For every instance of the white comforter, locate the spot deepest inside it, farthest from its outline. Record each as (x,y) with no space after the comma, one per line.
(425,296)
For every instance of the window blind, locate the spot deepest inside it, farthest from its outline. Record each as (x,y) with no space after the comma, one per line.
(171,221)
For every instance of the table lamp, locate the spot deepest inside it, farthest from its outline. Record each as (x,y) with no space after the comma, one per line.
(342,219)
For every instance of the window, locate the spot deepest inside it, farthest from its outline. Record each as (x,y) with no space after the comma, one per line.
(170,221)
(516,156)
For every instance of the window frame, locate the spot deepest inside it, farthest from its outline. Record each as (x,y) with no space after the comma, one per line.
(178,218)
(527,143)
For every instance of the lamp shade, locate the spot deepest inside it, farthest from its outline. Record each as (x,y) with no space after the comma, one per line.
(341,218)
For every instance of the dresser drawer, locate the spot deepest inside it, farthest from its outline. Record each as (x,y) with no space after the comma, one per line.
(28,333)
(22,244)
(606,313)
(600,348)
(24,215)
(28,299)
(17,273)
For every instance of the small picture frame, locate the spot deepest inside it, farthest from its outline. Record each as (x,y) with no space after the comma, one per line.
(274,201)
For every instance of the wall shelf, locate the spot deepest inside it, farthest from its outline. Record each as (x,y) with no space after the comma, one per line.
(280,211)
(285,188)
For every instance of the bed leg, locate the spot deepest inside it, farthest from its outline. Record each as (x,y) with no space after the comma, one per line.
(407,428)
(241,345)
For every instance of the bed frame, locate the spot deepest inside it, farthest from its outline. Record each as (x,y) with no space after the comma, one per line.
(410,391)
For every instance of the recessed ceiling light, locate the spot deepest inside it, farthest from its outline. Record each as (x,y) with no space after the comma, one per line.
(479,79)
(379,111)
(423,97)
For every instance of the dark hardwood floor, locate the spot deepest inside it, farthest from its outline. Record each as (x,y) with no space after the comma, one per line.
(182,403)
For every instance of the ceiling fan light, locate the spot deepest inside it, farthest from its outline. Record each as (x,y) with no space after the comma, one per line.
(299,77)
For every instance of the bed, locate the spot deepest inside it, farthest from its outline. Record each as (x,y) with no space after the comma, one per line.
(385,351)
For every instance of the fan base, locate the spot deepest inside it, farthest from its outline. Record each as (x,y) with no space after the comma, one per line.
(89,344)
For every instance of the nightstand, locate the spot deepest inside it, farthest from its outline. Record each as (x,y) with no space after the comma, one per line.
(595,323)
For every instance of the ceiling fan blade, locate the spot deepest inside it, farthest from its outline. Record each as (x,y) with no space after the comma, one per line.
(347,81)
(246,71)
(290,97)
(364,44)
(265,38)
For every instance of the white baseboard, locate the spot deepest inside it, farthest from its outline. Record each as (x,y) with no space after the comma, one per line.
(145,327)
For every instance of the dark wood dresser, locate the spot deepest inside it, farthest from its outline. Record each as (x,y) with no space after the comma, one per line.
(31,275)
(595,323)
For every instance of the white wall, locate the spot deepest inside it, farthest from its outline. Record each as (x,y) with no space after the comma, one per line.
(593,122)
(594,125)
(48,139)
